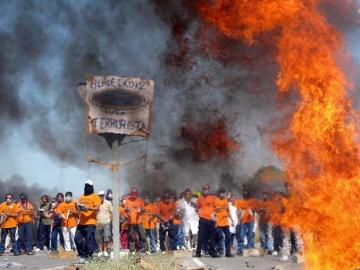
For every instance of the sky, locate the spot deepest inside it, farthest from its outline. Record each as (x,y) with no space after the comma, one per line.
(49,46)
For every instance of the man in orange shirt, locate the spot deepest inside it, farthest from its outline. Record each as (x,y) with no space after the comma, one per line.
(167,212)
(134,208)
(149,223)
(10,210)
(246,225)
(68,211)
(25,224)
(206,240)
(87,205)
(222,214)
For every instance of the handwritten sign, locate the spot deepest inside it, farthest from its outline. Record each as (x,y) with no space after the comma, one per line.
(119,105)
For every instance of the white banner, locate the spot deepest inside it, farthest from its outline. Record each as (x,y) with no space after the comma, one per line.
(119,105)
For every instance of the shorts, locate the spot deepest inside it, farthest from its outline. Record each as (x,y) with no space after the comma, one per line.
(102,233)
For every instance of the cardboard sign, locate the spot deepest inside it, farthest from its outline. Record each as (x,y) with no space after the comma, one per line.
(119,105)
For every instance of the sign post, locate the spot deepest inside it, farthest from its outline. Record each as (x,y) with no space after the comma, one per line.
(118,107)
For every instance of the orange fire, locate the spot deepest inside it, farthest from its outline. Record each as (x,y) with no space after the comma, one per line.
(319,149)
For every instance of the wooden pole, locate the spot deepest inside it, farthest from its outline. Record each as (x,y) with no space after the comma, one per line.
(115,188)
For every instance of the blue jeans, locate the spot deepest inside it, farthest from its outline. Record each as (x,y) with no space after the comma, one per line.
(4,233)
(181,236)
(85,240)
(172,230)
(207,234)
(224,231)
(151,237)
(25,238)
(43,236)
(245,230)
(54,234)
(266,236)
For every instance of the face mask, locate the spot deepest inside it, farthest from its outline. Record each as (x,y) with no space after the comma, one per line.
(205,192)
(68,198)
(8,200)
(110,196)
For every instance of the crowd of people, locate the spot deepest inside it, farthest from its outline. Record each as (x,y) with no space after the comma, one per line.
(213,223)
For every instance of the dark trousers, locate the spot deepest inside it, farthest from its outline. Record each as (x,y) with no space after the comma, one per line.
(43,237)
(54,235)
(207,234)
(25,231)
(171,230)
(221,231)
(4,233)
(85,240)
(133,230)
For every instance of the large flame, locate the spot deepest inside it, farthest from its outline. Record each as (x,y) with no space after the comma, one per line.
(319,148)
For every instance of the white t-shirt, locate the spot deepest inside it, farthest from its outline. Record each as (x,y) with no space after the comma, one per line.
(104,214)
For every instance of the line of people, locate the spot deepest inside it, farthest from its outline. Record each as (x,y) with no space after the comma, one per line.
(203,222)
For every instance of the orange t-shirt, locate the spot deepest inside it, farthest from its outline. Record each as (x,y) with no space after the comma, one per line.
(133,209)
(88,217)
(10,222)
(149,216)
(71,219)
(206,206)
(167,211)
(26,212)
(244,205)
(221,212)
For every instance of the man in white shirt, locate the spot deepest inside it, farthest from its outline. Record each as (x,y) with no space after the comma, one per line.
(187,206)
(103,219)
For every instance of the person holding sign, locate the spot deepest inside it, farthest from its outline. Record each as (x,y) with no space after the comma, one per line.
(88,205)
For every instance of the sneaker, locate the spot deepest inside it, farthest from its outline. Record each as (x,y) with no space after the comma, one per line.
(147,253)
(229,255)
(100,254)
(216,255)
(240,253)
(105,254)
(183,248)
(197,255)
(133,253)
(37,249)
(284,258)
(163,252)
(1,253)
(275,253)
(16,254)
(30,253)
(82,261)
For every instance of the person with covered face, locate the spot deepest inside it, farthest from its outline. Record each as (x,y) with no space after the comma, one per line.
(25,224)
(207,232)
(222,215)
(167,212)
(134,208)
(188,207)
(88,205)
(67,209)
(246,226)
(44,224)
(10,212)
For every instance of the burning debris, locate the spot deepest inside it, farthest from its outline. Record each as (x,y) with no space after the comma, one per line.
(208,140)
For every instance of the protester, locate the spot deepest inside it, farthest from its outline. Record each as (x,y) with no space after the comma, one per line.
(265,226)
(88,205)
(70,215)
(56,228)
(190,219)
(10,212)
(207,230)
(103,229)
(44,229)
(222,215)
(167,211)
(246,226)
(149,223)
(134,207)
(25,225)
(233,217)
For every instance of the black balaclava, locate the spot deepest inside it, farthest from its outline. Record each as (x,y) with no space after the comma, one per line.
(88,189)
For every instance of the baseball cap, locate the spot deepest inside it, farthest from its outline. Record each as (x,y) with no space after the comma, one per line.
(89,182)
(101,193)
